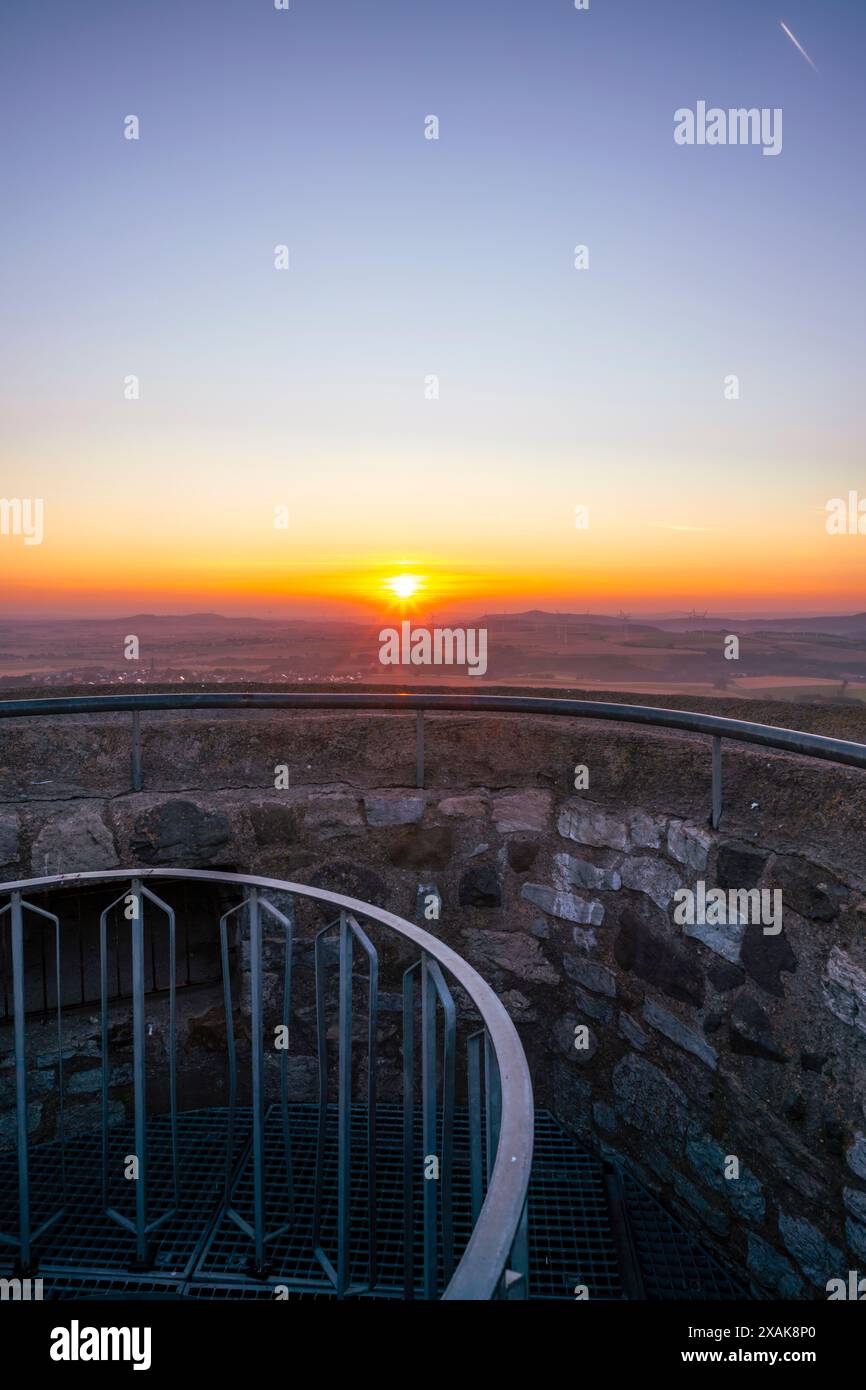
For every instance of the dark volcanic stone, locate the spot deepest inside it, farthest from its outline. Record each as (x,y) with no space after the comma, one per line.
(273,824)
(813,1061)
(522,854)
(750,1033)
(479,887)
(657,961)
(724,976)
(835,1136)
(713,1022)
(765,957)
(794,1108)
(353,880)
(808,889)
(180,833)
(739,866)
(422,848)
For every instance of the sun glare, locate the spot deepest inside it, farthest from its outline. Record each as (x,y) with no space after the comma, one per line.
(404,586)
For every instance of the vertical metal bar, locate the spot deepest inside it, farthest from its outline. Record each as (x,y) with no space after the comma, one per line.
(473,1069)
(284,1061)
(372,1030)
(322,1054)
(515,1284)
(344,1101)
(4,947)
(409,1132)
(172,1050)
(428,1123)
(81,969)
(492,1102)
(419,748)
(372,1034)
(138,1068)
(717,783)
(61,1127)
(258,1097)
(136,750)
(446,1159)
(44,969)
(17,928)
(103,1028)
(231,1050)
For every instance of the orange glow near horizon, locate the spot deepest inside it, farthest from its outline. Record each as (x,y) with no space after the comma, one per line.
(784,564)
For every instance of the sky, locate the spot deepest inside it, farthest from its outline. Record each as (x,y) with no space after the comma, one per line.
(306,389)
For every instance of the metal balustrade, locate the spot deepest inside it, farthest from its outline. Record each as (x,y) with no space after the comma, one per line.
(297,1181)
(713,726)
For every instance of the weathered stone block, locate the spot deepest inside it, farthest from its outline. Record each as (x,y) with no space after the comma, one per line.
(522,854)
(182,834)
(653,877)
(855,1156)
(712,1217)
(725,938)
(273,823)
(592,1006)
(654,959)
(771,1270)
(569,872)
(739,866)
(818,1259)
(855,1202)
(649,1100)
(765,957)
(750,1033)
(523,811)
(589,824)
(74,842)
(565,905)
(10,840)
(686,1038)
(855,1234)
(331,814)
(632,1032)
(592,976)
(393,808)
(512,951)
(844,989)
(480,887)
(744,1193)
(689,844)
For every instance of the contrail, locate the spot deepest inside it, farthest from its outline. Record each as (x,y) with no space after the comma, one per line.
(797,44)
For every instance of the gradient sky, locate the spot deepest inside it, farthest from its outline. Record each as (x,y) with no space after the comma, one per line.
(305,388)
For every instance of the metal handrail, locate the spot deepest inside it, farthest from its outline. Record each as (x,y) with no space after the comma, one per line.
(500,1225)
(715,726)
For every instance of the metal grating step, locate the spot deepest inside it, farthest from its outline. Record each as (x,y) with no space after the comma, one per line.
(201,1253)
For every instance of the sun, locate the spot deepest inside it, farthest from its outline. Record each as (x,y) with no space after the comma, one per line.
(404,586)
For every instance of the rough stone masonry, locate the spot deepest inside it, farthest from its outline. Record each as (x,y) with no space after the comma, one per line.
(703,1043)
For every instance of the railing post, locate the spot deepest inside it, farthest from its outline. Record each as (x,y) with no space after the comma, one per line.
(716,815)
(344,1107)
(428,1123)
(138,1070)
(256,1024)
(419,748)
(17,924)
(136,751)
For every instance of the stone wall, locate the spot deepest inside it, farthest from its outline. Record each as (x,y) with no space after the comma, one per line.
(710,1050)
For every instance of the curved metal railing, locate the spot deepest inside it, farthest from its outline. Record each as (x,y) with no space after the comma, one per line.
(716,727)
(498,1157)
